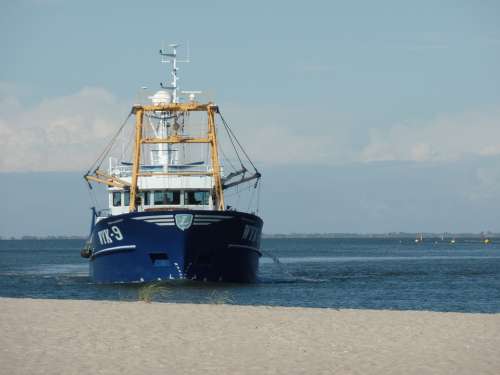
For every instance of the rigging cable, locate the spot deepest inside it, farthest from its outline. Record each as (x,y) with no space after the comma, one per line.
(92,197)
(225,157)
(97,164)
(258,197)
(236,139)
(234,147)
(250,201)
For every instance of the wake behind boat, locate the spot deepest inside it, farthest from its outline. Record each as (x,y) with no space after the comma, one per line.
(166,216)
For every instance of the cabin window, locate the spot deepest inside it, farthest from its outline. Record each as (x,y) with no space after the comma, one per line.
(117,198)
(167,197)
(126,198)
(145,199)
(196,197)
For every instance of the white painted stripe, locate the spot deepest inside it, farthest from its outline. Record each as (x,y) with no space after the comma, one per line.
(152,217)
(159,220)
(163,224)
(244,247)
(214,217)
(115,248)
(209,220)
(114,222)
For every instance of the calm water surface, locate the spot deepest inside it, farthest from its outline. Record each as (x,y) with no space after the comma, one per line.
(338,273)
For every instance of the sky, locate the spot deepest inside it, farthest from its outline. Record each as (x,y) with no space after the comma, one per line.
(362,116)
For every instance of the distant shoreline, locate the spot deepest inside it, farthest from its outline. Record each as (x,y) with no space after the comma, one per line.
(399,235)
(393,235)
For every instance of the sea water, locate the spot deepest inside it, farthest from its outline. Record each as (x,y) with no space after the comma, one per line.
(355,273)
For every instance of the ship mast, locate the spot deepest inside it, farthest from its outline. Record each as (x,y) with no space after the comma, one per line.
(174,108)
(173,60)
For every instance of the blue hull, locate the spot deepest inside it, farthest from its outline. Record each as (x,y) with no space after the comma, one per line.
(185,244)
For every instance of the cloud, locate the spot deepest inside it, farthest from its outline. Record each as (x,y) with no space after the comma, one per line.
(284,135)
(58,134)
(445,138)
(280,136)
(67,133)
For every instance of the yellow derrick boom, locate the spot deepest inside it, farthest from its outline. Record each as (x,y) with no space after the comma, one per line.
(173,107)
(106,179)
(175,139)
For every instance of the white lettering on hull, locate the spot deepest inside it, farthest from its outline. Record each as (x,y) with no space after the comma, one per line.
(106,236)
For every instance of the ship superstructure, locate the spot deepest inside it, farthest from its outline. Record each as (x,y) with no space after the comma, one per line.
(166,216)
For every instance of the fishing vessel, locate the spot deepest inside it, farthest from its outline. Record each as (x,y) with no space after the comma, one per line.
(166,216)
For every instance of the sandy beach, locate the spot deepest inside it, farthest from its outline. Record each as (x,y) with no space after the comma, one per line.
(93,337)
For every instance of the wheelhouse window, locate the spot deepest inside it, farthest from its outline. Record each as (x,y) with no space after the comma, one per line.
(126,198)
(145,198)
(164,197)
(117,198)
(196,198)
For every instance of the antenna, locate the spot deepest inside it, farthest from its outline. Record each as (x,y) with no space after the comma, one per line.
(171,57)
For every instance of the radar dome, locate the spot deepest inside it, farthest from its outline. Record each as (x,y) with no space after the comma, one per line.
(161,97)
